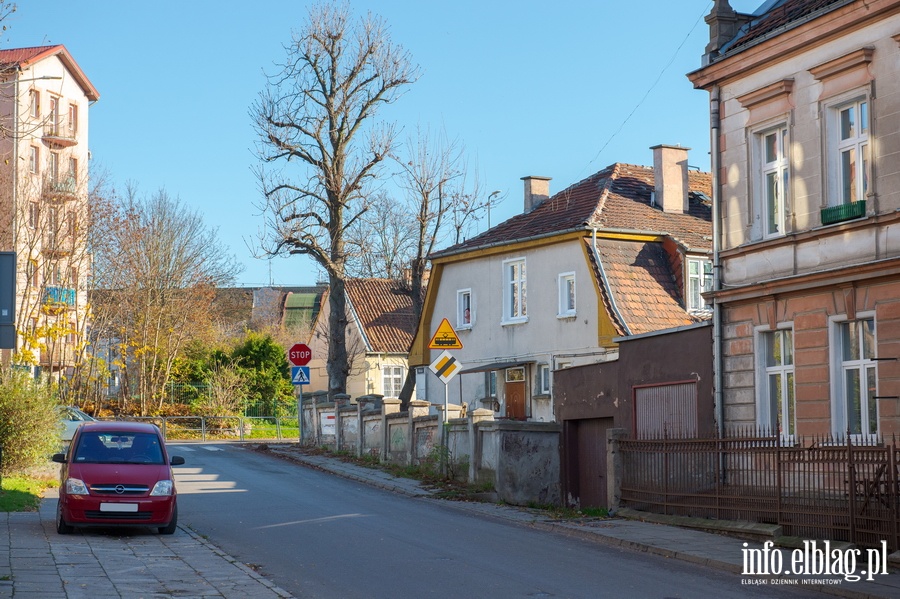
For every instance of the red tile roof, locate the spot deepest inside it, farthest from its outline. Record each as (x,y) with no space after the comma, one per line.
(618,197)
(385,313)
(23,58)
(638,288)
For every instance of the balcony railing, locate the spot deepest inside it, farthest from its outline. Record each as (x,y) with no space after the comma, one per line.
(842,212)
(57,295)
(60,134)
(63,188)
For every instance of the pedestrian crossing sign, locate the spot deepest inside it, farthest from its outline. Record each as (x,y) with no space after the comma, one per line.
(300,375)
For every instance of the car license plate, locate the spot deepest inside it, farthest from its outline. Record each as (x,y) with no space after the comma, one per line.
(118,507)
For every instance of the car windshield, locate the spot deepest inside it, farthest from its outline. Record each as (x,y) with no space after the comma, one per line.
(118,448)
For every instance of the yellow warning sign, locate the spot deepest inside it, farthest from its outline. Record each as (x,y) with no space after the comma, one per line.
(445,337)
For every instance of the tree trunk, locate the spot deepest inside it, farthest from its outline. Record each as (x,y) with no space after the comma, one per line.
(416,277)
(338,362)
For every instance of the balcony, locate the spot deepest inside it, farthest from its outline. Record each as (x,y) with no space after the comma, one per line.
(59,135)
(55,295)
(60,190)
(842,212)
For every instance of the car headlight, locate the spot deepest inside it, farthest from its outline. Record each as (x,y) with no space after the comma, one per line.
(75,486)
(162,488)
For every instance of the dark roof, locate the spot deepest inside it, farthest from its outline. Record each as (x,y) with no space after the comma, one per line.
(385,313)
(782,16)
(618,197)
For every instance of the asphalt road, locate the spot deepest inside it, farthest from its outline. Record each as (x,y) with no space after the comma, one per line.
(317,535)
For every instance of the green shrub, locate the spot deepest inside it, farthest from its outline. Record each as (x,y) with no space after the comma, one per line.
(29,422)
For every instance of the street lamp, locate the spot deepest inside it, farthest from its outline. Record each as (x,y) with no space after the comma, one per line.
(490,197)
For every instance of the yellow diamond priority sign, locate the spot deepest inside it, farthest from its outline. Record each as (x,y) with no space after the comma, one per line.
(445,366)
(445,337)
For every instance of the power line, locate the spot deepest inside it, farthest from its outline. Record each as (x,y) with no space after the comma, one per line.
(647,94)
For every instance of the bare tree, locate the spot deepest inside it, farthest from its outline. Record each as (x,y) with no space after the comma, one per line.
(317,114)
(382,242)
(157,271)
(440,203)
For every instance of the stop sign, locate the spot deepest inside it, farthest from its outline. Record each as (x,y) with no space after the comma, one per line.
(299,354)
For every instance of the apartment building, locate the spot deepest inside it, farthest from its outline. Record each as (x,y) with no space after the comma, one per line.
(44,102)
(805,107)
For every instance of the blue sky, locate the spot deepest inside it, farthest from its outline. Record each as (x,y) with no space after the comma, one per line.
(558,90)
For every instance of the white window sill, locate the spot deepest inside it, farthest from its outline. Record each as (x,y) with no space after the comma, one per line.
(567,316)
(464,327)
(513,321)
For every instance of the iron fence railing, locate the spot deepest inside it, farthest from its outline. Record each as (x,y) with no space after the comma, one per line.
(823,488)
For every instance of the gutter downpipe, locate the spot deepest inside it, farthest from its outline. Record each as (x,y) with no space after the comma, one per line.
(716,165)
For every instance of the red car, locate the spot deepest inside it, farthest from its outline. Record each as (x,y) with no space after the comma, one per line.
(117,474)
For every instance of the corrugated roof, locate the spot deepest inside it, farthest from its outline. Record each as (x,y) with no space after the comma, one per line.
(385,313)
(618,197)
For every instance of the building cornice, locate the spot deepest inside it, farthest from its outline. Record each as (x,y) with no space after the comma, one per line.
(799,40)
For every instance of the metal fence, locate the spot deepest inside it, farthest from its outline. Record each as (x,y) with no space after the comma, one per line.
(223,428)
(818,488)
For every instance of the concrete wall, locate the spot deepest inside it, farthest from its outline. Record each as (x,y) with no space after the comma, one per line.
(520,460)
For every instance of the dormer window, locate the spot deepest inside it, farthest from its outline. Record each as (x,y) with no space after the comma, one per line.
(699,281)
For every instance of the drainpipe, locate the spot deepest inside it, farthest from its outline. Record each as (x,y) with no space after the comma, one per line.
(716,165)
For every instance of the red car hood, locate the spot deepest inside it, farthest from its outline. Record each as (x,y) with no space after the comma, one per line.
(125,474)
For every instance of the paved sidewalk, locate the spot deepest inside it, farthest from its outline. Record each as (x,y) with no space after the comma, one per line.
(36,562)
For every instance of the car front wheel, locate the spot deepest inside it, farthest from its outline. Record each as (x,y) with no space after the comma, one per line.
(171,526)
(61,526)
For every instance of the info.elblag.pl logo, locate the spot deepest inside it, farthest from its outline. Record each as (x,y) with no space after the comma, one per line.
(815,559)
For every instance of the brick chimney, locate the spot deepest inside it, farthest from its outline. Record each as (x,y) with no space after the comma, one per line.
(670,176)
(537,189)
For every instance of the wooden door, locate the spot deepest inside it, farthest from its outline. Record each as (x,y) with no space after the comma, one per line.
(515,400)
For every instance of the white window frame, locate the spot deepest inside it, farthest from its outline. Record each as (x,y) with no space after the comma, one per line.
(72,124)
(34,160)
(54,116)
(54,168)
(464,301)
(391,375)
(839,192)
(567,289)
(34,109)
(544,379)
(515,299)
(865,366)
(773,178)
(34,215)
(698,283)
(769,416)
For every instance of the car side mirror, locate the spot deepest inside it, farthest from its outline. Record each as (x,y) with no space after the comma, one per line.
(176,460)
(59,458)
